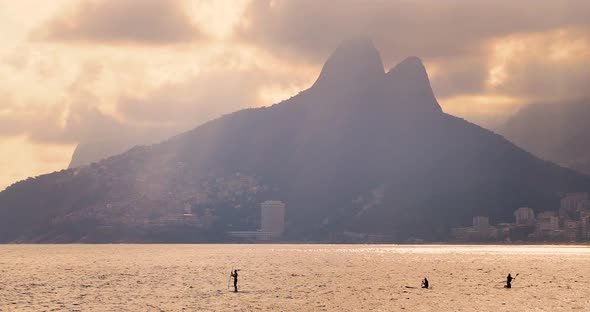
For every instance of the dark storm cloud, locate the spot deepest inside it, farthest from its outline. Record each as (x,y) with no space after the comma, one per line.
(73,119)
(454,35)
(121,21)
(9,126)
(43,126)
(429,29)
(545,80)
(197,100)
(461,75)
(163,112)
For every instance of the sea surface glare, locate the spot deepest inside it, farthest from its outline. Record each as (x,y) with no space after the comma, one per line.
(292,278)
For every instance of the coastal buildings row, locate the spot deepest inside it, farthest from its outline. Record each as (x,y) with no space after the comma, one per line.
(571,223)
(272,223)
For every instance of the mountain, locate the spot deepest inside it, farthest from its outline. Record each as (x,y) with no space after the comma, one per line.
(555,131)
(100,147)
(361,150)
(89,152)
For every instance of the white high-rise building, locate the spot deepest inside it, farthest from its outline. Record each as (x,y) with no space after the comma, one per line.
(272,217)
(481,224)
(547,221)
(573,201)
(524,215)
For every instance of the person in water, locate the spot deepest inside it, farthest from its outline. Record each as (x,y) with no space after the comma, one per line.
(425,283)
(235,276)
(509,279)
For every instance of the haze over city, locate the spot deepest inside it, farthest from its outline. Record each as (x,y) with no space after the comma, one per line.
(79,71)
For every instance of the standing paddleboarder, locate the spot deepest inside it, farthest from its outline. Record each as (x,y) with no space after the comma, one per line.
(235,276)
(509,279)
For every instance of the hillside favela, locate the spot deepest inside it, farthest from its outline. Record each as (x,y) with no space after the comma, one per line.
(295,155)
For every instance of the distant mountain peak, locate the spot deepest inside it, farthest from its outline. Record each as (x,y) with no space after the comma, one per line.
(355,69)
(410,65)
(409,83)
(355,62)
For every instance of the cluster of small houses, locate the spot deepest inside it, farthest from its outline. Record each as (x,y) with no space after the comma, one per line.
(570,224)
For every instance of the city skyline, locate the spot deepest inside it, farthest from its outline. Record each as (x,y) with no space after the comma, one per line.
(569,223)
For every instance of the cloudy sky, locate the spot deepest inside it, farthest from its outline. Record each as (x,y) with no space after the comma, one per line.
(75,70)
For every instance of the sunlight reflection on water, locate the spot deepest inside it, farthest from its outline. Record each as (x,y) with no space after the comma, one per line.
(445,249)
(293,277)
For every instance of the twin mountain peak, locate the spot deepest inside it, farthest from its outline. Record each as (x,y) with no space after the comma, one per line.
(361,150)
(356,68)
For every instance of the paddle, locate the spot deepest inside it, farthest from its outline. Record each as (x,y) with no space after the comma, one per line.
(513,278)
(230,273)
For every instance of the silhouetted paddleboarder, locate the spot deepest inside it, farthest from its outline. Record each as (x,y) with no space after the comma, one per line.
(509,279)
(235,276)
(425,283)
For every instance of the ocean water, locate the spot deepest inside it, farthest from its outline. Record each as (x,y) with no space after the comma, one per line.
(293,278)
